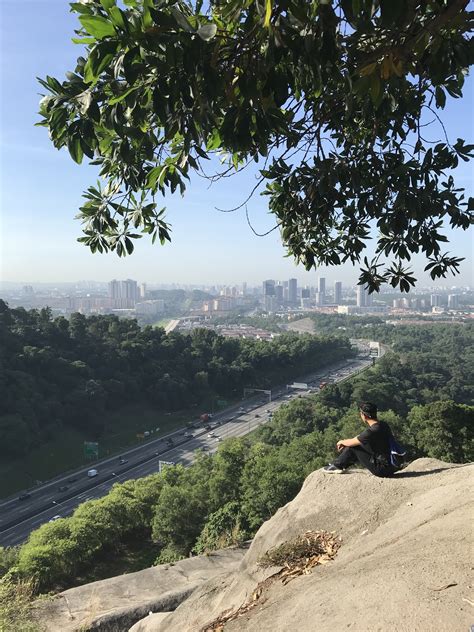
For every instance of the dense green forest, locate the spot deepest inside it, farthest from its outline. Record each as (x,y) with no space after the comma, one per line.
(424,391)
(58,372)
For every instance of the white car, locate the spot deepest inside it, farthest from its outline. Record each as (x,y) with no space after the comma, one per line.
(54,518)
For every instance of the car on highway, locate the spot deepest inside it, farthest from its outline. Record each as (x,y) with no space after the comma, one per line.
(54,518)
(211,435)
(257,415)
(123,461)
(218,438)
(24,496)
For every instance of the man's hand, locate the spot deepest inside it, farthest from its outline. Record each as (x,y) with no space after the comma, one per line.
(340,445)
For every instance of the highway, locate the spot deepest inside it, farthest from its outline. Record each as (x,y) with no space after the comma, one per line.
(61,496)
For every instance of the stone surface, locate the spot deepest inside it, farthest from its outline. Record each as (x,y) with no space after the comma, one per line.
(405,561)
(115,604)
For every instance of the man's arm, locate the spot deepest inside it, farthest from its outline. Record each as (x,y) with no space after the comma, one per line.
(347,443)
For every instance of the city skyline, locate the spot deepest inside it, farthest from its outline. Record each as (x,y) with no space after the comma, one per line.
(41,190)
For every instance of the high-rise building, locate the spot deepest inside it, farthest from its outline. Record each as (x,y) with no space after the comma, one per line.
(322,290)
(369,298)
(279,293)
(453,301)
(142,290)
(305,292)
(361,296)
(435,300)
(269,288)
(244,288)
(124,293)
(338,292)
(292,291)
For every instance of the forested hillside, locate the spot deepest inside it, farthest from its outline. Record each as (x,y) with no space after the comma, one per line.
(223,499)
(58,372)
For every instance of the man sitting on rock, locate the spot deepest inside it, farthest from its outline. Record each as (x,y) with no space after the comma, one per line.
(371,448)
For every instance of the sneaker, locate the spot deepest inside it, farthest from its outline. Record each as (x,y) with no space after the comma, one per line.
(332,469)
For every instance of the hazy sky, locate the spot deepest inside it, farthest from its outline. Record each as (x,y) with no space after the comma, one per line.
(41,187)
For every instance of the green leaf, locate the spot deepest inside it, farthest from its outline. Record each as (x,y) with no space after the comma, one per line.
(78,7)
(117,17)
(122,96)
(99,58)
(97,26)
(75,149)
(107,4)
(207,32)
(440,97)
(268,13)
(182,20)
(83,40)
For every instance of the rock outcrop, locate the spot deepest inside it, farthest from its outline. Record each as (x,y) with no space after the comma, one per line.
(115,604)
(404,564)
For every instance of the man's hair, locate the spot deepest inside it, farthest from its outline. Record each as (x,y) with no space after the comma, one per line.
(369,409)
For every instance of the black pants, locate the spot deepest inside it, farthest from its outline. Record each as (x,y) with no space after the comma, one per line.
(364,456)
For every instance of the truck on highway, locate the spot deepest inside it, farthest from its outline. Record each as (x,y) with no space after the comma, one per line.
(205,417)
(323,384)
(92,473)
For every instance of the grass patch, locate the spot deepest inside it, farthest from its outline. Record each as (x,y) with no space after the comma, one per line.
(15,607)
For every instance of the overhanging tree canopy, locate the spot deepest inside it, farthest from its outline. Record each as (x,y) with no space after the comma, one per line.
(330,98)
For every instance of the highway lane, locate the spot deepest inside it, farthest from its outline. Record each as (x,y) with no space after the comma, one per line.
(17,518)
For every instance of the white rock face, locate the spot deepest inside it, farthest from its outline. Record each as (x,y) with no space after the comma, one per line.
(404,563)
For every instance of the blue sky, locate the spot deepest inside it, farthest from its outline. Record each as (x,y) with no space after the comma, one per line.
(41,188)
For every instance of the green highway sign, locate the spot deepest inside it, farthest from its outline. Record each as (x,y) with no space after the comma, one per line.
(91,450)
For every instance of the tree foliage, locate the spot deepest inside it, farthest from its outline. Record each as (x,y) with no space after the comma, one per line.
(56,373)
(329,98)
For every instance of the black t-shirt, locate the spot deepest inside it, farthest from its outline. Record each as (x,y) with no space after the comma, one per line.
(377,438)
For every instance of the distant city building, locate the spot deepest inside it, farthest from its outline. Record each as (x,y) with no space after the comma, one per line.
(269,288)
(150,308)
(453,301)
(435,300)
(305,293)
(361,296)
(142,290)
(270,303)
(322,290)
(124,294)
(319,299)
(292,291)
(352,309)
(244,289)
(338,292)
(369,298)
(279,293)
(28,290)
